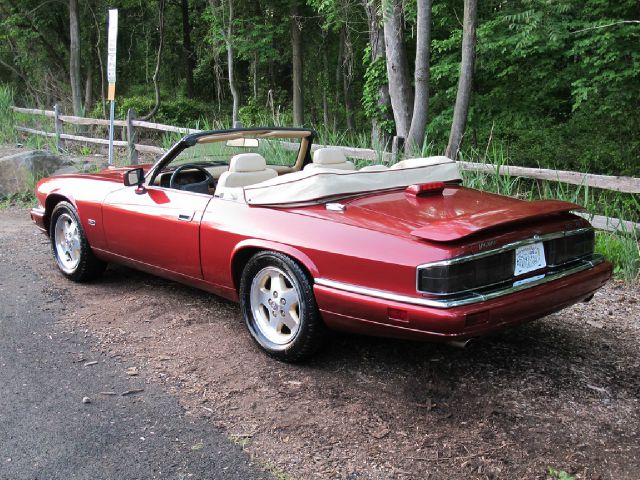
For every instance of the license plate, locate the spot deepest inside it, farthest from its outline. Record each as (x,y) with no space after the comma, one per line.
(529,258)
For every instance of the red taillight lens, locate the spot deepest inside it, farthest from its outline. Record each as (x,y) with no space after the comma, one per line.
(432,188)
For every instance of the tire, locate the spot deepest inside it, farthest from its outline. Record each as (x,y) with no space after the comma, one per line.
(279,308)
(70,247)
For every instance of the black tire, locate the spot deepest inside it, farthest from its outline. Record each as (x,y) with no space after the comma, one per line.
(311,330)
(87,267)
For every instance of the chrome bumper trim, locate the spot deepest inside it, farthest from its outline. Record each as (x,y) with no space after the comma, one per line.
(467,299)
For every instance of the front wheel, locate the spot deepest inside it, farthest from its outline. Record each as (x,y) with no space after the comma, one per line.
(70,247)
(279,308)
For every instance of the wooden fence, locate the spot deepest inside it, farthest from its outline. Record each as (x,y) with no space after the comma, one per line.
(622,184)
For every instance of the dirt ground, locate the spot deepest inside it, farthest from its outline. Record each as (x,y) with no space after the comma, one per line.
(560,392)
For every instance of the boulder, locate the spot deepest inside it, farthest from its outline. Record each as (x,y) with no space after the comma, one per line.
(20,171)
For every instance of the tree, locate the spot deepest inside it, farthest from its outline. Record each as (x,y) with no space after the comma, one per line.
(296,66)
(463,96)
(397,67)
(74,58)
(421,100)
(376,99)
(156,73)
(187,48)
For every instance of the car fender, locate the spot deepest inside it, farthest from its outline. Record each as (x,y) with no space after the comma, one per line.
(293,252)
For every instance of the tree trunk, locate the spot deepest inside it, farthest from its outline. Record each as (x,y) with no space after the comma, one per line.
(88,88)
(325,87)
(378,53)
(189,60)
(296,44)
(465,81)
(255,76)
(156,73)
(74,58)
(347,68)
(336,117)
(397,68)
(235,93)
(420,116)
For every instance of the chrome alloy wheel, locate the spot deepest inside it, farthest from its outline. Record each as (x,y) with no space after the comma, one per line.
(275,305)
(67,242)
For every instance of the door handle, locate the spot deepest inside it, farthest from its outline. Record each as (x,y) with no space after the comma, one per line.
(187,217)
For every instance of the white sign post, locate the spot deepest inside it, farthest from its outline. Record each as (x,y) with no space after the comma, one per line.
(112,44)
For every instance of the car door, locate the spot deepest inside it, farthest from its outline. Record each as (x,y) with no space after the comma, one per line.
(157,226)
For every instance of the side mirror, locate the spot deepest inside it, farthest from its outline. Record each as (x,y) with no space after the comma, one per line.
(134,177)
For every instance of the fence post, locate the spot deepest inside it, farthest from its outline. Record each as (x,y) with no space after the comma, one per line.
(131,137)
(397,147)
(58,127)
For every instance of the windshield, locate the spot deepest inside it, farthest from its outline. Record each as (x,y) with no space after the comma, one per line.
(218,150)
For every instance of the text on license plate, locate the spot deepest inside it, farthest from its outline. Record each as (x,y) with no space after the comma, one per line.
(529,258)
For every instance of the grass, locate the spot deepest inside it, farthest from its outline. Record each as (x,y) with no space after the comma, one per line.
(7,121)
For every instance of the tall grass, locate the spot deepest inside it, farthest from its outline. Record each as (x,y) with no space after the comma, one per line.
(7,119)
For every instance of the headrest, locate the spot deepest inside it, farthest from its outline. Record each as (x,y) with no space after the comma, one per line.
(329,156)
(421,162)
(247,162)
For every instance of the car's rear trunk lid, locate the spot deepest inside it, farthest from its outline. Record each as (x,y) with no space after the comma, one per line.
(451,215)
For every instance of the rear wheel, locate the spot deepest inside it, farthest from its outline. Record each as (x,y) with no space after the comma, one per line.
(279,308)
(70,247)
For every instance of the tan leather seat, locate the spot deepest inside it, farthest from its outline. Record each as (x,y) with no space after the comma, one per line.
(245,169)
(330,158)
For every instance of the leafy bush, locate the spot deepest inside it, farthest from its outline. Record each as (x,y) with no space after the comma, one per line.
(181,112)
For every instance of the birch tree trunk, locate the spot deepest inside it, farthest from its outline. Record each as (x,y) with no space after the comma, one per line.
(463,96)
(227,33)
(420,116)
(296,45)
(397,67)
(74,58)
(378,53)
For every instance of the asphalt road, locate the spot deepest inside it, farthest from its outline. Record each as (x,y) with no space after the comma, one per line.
(47,432)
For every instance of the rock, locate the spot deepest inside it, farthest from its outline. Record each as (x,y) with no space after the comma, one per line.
(18,172)
(86,400)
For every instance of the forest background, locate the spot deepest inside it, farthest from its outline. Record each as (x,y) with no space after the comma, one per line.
(555,83)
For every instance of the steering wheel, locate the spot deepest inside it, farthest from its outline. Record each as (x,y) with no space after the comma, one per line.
(197,187)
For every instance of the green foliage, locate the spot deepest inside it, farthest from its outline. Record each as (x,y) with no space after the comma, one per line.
(559,474)
(375,77)
(623,250)
(177,111)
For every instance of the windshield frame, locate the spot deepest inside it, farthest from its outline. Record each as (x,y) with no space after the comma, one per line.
(305,136)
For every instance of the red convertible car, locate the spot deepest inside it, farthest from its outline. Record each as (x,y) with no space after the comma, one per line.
(307,244)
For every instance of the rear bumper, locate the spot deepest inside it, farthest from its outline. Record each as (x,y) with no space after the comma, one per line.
(366,314)
(37,215)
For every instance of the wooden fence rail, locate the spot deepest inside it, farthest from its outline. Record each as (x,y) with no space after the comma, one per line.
(606,182)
